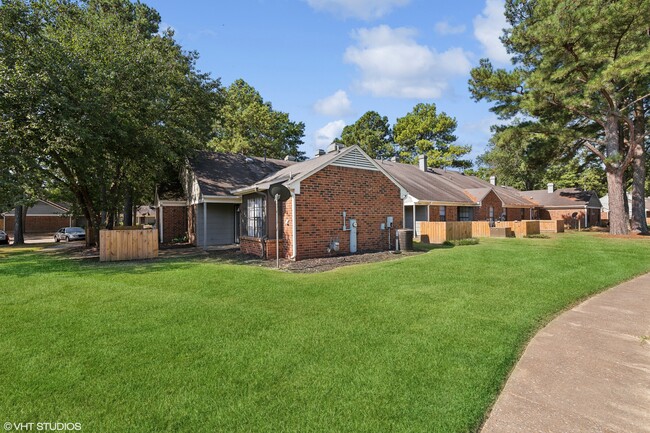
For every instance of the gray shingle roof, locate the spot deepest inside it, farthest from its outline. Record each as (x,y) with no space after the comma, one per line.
(218,174)
(425,186)
(565,197)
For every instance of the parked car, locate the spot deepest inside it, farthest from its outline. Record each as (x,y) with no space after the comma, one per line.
(70,234)
(4,237)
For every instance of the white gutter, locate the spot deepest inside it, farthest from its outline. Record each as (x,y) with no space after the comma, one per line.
(294,243)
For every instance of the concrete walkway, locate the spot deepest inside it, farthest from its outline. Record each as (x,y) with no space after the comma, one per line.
(587,371)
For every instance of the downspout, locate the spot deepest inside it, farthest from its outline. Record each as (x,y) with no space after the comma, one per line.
(415,227)
(162,237)
(294,231)
(586,217)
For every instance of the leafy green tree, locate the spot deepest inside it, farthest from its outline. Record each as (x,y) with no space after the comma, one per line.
(425,131)
(372,133)
(99,100)
(581,66)
(247,124)
(519,154)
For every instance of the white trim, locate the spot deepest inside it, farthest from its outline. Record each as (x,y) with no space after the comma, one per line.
(415,223)
(292,184)
(170,203)
(222,199)
(294,243)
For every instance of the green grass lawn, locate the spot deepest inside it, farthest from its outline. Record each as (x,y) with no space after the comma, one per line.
(419,344)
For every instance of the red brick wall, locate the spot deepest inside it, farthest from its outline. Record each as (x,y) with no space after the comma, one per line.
(270,249)
(252,246)
(514,214)
(39,224)
(452,213)
(367,196)
(564,214)
(175,222)
(483,213)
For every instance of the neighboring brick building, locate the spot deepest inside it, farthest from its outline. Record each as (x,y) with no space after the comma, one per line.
(575,206)
(446,195)
(43,217)
(343,201)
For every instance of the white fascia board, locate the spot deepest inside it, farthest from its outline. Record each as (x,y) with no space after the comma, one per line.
(169,203)
(293,186)
(221,199)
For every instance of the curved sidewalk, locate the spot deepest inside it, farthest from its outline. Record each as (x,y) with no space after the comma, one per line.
(586,371)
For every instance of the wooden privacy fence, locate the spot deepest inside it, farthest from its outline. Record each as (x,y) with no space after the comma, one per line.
(438,232)
(551,226)
(480,229)
(115,245)
(521,228)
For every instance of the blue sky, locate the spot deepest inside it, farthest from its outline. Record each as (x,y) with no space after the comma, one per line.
(326,62)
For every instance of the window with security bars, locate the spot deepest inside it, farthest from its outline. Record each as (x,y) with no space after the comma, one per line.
(254,217)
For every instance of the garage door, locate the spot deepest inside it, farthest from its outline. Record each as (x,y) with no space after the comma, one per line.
(221,224)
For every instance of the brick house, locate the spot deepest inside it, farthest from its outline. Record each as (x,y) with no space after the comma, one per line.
(43,217)
(444,195)
(201,206)
(573,205)
(341,202)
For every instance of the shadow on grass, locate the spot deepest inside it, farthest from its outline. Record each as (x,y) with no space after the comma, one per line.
(419,246)
(34,261)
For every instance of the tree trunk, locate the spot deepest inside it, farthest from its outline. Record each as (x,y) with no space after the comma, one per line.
(19,226)
(638,220)
(618,218)
(128,209)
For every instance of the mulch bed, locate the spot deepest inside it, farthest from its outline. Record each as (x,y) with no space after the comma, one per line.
(308,265)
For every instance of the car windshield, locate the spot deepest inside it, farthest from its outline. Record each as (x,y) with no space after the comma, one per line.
(75,230)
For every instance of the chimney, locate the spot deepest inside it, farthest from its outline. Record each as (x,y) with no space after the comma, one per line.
(493,180)
(319,152)
(422,160)
(550,188)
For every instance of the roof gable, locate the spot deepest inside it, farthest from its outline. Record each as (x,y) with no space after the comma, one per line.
(350,157)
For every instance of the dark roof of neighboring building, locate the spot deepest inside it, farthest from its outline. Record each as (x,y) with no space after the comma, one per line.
(218,174)
(425,185)
(45,207)
(564,197)
(475,186)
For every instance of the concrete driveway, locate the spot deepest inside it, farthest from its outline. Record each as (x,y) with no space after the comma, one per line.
(586,371)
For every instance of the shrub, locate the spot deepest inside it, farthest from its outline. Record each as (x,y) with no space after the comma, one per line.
(538,236)
(461,242)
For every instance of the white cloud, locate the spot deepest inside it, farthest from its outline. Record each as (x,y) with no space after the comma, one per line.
(335,105)
(363,9)
(328,133)
(444,28)
(488,27)
(393,64)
